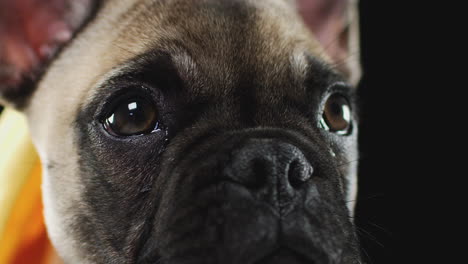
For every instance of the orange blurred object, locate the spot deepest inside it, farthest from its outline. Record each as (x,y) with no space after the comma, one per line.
(25,239)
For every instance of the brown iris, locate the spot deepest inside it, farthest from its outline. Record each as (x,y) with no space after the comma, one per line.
(134,116)
(337,115)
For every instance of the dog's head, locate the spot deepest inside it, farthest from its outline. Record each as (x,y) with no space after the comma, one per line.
(190,131)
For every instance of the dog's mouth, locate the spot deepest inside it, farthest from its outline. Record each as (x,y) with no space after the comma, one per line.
(265,203)
(284,255)
(279,255)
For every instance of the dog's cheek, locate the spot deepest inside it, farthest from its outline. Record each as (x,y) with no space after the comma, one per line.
(59,220)
(117,174)
(346,156)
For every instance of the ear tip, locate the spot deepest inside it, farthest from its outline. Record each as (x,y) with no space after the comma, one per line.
(31,34)
(16,93)
(17,84)
(9,77)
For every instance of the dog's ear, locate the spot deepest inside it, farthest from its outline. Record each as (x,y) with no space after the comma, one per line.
(31,32)
(335,24)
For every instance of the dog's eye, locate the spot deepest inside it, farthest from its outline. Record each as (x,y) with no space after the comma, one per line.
(134,116)
(336,115)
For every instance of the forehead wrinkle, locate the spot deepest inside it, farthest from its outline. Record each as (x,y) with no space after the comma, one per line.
(216,34)
(260,46)
(283,42)
(223,45)
(254,39)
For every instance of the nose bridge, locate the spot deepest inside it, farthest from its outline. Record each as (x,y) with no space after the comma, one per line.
(274,171)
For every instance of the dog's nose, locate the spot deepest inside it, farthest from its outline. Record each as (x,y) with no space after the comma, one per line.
(269,166)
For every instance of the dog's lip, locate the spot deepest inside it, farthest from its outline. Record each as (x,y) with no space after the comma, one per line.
(278,254)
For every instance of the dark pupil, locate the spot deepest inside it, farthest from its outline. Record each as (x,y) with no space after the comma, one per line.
(337,113)
(132,117)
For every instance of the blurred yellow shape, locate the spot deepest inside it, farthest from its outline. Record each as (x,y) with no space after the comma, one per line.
(23,237)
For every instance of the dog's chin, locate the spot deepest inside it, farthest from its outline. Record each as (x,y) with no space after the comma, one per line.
(284,255)
(277,256)
(242,229)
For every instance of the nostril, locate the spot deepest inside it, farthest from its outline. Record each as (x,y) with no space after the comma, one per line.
(260,170)
(299,172)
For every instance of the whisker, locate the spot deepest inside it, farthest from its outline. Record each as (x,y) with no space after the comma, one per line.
(366,254)
(369,235)
(386,231)
(348,162)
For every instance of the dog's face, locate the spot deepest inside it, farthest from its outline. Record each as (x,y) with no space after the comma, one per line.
(210,131)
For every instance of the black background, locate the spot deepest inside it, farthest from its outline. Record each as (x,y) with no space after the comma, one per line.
(401,188)
(381,201)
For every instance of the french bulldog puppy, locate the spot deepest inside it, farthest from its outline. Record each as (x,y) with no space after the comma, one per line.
(190,131)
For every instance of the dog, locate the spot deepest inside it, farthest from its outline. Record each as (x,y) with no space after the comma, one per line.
(190,131)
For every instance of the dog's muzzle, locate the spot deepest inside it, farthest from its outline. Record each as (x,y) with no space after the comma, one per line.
(275,173)
(273,178)
(255,200)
